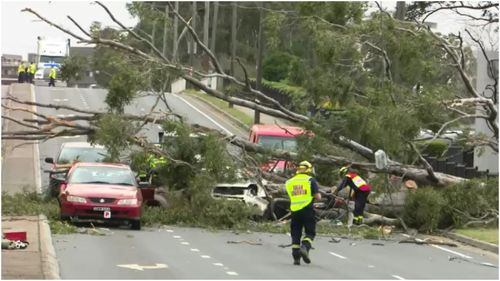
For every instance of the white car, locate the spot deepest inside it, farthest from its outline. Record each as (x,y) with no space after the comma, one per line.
(251,193)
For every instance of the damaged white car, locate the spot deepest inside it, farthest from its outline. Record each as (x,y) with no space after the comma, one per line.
(251,193)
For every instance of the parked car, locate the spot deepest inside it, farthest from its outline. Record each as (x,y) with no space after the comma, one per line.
(249,193)
(277,138)
(101,192)
(69,153)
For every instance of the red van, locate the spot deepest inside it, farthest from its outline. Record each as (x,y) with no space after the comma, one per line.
(277,138)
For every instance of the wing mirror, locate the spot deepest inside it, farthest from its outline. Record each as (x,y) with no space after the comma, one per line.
(49,160)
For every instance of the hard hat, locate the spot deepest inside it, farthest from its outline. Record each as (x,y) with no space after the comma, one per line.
(305,167)
(343,171)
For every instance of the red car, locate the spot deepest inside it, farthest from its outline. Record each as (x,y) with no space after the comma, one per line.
(101,192)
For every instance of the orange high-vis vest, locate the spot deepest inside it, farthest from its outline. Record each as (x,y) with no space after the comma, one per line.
(359,182)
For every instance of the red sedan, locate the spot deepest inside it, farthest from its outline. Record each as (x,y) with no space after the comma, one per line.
(101,192)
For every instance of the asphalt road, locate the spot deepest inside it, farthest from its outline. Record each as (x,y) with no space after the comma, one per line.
(186,253)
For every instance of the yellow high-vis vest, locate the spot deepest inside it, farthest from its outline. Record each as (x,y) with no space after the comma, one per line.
(299,191)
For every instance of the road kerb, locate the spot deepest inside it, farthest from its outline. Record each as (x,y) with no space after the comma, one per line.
(472,242)
(50,266)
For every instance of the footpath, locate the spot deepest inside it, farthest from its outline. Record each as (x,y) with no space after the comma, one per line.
(267,119)
(20,171)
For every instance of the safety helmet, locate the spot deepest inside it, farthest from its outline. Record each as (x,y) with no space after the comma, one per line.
(343,171)
(305,168)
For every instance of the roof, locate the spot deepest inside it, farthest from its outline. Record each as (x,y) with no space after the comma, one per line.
(80,144)
(275,130)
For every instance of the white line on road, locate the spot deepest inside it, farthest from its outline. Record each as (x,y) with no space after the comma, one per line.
(371,266)
(170,230)
(442,248)
(72,137)
(398,277)
(185,243)
(204,114)
(194,250)
(231,273)
(205,256)
(217,264)
(36,150)
(177,237)
(337,255)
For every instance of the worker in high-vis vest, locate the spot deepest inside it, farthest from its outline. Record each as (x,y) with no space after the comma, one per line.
(359,191)
(32,70)
(21,72)
(302,189)
(52,76)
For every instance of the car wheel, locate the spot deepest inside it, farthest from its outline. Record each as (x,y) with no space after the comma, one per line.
(135,225)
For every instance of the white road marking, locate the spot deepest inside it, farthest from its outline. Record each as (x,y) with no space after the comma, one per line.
(194,250)
(441,248)
(204,114)
(371,266)
(185,243)
(217,264)
(337,255)
(142,267)
(71,137)
(36,150)
(177,237)
(170,230)
(159,127)
(205,256)
(231,273)
(398,277)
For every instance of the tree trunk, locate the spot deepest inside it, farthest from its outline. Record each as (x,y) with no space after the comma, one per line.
(176,33)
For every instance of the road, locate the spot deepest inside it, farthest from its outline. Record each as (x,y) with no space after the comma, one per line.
(189,253)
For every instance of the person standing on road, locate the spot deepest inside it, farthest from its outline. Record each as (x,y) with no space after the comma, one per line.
(32,70)
(359,191)
(21,72)
(52,76)
(302,189)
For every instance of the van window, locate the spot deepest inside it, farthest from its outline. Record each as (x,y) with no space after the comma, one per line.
(283,143)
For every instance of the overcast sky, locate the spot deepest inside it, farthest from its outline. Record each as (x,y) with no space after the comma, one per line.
(19,30)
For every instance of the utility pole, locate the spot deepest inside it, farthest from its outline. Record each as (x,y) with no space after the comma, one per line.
(165,28)
(176,31)
(233,40)
(258,80)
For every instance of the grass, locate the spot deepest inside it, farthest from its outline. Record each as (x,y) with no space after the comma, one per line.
(223,105)
(484,234)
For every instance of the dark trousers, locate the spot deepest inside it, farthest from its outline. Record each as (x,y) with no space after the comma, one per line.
(303,219)
(20,78)
(360,202)
(52,82)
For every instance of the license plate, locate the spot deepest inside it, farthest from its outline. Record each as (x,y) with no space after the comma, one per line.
(102,209)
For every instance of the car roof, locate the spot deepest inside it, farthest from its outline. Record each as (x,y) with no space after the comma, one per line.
(80,144)
(100,164)
(275,130)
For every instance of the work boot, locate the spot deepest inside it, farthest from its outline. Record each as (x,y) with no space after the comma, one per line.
(304,251)
(296,256)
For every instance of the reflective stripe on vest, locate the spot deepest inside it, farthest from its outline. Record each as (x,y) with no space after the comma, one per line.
(358,181)
(299,191)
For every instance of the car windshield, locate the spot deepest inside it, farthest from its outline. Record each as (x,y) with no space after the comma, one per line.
(283,143)
(82,154)
(51,59)
(101,175)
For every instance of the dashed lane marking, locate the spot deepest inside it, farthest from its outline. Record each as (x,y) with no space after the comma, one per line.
(218,264)
(205,256)
(337,255)
(170,230)
(177,237)
(194,250)
(371,266)
(398,277)
(185,243)
(231,273)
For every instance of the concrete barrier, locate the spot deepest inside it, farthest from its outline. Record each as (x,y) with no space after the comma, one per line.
(50,266)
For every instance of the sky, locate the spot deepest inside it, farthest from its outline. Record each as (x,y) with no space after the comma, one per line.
(19,30)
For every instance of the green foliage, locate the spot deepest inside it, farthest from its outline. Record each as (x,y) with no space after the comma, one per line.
(29,204)
(423,209)
(122,88)
(275,66)
(434,148)
(72,67)
(113,132)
